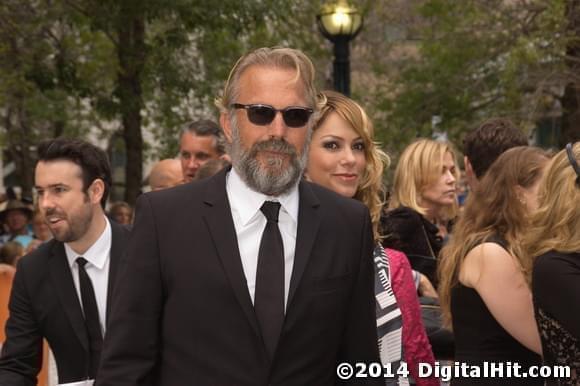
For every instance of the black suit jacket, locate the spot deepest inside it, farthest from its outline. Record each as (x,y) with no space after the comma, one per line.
(182,313)
(44,304)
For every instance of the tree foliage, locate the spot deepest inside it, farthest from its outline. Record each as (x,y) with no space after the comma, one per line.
(460,62)
(70,66)
(137,70)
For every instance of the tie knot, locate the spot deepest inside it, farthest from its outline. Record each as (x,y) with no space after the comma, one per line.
(271,210)
(81,261)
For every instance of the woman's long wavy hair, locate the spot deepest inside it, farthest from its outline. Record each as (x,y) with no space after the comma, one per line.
(492,209)
(370,190)
(419,166)
(556,224)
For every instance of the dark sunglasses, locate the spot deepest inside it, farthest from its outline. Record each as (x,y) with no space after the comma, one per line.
(294,116)
(573,162)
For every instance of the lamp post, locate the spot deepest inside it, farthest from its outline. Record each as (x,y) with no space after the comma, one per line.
(340,22)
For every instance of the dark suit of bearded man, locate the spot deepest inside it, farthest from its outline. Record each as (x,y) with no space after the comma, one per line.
(196,303)
(44,304)
(61,291)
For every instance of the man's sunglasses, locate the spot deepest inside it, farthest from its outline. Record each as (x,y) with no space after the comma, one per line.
(294,116)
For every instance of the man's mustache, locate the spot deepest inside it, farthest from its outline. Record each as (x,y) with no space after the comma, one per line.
(50,212)
(275,145)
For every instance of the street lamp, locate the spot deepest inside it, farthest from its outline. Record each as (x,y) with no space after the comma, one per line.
(340,22)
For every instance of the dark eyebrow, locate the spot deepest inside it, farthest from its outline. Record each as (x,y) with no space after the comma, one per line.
(51,186)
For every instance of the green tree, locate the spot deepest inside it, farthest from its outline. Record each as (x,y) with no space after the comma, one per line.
(571,98)
(172,57)
(71,65)
(463,61)
(40,87)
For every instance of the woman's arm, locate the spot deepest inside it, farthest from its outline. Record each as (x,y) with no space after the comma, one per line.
(497,277)
(425,287)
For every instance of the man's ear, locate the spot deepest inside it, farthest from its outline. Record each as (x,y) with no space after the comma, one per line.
(96,191)
(225,124)
(469,173)
(467,164)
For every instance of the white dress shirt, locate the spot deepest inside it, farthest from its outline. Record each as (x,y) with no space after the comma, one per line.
(250,223)
(98,257)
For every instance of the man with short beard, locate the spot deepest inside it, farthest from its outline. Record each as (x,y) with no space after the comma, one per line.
(252,276)
(61,290)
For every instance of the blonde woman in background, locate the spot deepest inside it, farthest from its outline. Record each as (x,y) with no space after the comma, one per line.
(344,158)
(482,289)
(554,241)
(423,200)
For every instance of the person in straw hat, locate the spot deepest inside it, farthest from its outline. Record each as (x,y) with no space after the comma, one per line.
(16,217)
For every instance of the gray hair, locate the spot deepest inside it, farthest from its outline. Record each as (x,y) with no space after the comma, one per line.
(277,57)
(204,128)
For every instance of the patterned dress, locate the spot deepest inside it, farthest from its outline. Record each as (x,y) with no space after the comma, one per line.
(403,343)
(556,292)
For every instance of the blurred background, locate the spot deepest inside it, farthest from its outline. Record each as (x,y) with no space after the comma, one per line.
(127,74)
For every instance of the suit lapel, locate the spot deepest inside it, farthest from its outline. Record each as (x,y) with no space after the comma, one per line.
(63,282)
(118,244)
(308,223)
(218,217)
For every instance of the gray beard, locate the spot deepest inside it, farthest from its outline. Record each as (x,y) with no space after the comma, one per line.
(273,178)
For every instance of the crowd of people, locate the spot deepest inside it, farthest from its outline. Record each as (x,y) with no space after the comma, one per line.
(270,251)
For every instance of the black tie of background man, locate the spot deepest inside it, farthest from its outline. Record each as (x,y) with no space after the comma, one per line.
(269,296)
(91,312)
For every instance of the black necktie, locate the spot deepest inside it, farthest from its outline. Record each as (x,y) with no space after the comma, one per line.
(92,322)
(269,296)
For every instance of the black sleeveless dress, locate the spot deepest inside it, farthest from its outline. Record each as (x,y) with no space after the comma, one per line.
(480,338)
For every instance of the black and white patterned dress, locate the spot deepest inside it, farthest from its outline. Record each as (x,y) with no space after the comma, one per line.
(389,318)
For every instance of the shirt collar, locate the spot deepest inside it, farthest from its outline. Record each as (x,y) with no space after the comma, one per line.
(247,201)
(98,253)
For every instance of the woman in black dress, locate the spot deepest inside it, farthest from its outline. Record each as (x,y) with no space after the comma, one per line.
(482,288)
(554,241)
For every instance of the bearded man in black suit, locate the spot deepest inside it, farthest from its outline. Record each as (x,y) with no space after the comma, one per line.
(61,290)
(252,276)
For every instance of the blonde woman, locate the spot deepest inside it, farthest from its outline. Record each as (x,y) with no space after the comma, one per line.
(482,289)
(344,158)
(554,241)
(423,199)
